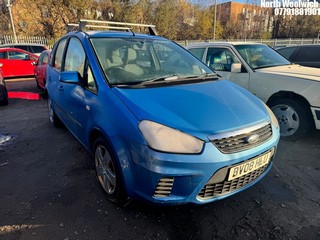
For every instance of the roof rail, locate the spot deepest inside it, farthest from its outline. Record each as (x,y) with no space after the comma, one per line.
(122,26)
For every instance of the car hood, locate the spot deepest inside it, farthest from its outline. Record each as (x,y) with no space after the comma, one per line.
(199,109)
(293,70)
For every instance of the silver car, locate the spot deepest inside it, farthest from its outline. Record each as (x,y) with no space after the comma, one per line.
(290,90)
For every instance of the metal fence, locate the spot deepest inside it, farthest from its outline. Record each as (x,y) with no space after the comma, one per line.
(270,42)
(4,39)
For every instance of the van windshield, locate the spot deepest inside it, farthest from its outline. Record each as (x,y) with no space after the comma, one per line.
(132,61)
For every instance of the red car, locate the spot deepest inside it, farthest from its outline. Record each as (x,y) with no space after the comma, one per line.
(17,62)
(40,70)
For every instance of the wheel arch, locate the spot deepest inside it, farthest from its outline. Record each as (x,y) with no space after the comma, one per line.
(126,175)
(305,109)
(94,135)
(290,95)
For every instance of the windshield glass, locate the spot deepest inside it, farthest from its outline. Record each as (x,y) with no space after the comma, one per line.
(130,61)
(261,56)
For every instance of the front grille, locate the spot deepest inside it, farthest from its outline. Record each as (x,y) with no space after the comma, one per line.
(239,142)
(164,187)
(225,187)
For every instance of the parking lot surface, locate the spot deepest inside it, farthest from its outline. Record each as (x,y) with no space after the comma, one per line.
(49,191)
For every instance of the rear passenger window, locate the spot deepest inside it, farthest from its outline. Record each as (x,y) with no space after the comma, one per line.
(59,55)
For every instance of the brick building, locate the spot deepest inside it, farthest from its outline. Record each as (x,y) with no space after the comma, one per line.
(251,19)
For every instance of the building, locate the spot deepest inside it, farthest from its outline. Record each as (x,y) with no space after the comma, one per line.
(251,20)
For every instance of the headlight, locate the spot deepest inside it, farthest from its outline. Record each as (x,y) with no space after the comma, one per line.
(274,120)
(165,139)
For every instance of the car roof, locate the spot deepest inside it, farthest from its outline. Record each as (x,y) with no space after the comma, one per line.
(16,49)
(300,45)
(222,44)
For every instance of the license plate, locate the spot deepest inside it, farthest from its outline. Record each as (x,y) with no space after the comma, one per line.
(249,166)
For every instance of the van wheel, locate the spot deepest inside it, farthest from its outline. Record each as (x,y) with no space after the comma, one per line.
(294,117)
(55,121)
(107,171)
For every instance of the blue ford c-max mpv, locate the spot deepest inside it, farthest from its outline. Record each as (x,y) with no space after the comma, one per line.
(160,125)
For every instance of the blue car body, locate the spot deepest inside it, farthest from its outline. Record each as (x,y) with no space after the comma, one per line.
(210,112)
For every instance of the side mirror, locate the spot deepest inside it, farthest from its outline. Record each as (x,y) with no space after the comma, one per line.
(236,67)
(72,77)
(27,57)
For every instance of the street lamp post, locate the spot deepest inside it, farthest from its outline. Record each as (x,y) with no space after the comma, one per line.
(11,20)
(215,20)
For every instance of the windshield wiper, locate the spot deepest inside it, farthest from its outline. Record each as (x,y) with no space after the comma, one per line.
(204,76)
(177,79)
(267,66)
(171,79)
(146,82)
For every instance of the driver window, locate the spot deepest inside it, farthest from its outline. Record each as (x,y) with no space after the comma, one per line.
(220,59)
(17,55)
(76,57)
(45,59)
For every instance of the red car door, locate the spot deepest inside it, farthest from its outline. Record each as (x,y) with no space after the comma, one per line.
(16,63)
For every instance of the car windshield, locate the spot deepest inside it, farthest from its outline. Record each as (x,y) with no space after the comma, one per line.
(135,61)
(261,56)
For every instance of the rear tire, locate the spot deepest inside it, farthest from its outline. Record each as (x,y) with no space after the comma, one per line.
(108,171)
(55,121)
(294,117)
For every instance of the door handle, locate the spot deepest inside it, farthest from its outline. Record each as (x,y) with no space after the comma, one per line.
(61,88)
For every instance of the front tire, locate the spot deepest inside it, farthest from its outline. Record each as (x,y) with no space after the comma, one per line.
(38,85)
(4,100)
(107,170)
(294,117)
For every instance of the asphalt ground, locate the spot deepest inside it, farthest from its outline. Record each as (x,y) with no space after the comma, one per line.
(48,190)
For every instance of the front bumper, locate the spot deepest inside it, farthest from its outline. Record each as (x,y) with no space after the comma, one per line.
(165,178)
(316,116)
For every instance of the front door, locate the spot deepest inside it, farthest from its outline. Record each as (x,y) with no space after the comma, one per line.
(220,60)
